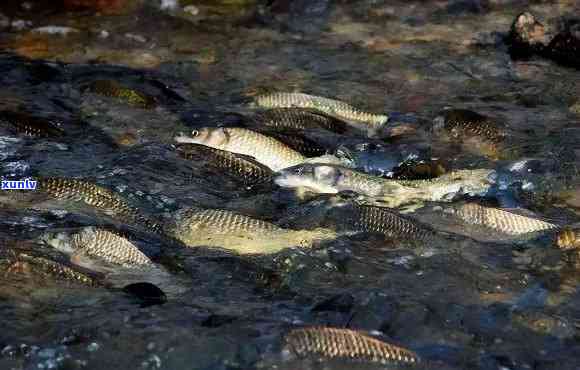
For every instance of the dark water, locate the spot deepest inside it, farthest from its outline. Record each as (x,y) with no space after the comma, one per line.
(493,304)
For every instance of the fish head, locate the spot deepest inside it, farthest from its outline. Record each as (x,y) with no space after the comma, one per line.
(319,178)
(215,137)
(478,182)
(59,240)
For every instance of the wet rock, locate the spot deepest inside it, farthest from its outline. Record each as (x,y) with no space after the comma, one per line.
(215,320)
(467,7)
(527,37)
(305,16)
(338,303)
(102,6)
(565,49)
(375,312)
(146,293)
(419,170)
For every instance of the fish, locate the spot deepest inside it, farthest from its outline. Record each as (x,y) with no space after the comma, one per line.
(298,119)
(365,121)
(56,268)
(568,238)
(392,224)
(114,89)
(30,125)
(264,149)
(503,220)
(93,195)
(242,167)
(463,123)
(344,345)
(298,142)
(331,179)
(100,243)
(236,232)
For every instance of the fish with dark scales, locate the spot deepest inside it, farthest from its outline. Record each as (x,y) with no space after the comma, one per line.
(298,142)
(476,132)
(96,196)
(95,242)
(462,123)
(30,125)
(568,241)
(32,263)
(369,122)
(568,238)
(114,89)
(368,218)
(298,119)
(239,166)
(323,343)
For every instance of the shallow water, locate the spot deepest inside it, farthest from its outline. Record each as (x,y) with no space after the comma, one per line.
(481,303)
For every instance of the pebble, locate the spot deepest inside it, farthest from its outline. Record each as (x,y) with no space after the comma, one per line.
(191,9)
(55,30)
(135,37)
(93,347)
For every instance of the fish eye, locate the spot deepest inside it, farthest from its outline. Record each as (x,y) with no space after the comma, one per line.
(194,133)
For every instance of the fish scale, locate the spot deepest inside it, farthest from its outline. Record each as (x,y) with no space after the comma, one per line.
(264,149)
(228,221)
(502,220)
(331,107)
(249,143)
(109,246)
(298,119)
(462,122)
(327,178)
(113,89)
(57,270)
(30,125)
(96,196)
(236,232)
(388,222)
(249,171)
(335,343)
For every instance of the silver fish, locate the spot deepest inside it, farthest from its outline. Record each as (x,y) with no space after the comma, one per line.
(262,148)
(370,122)
(325,178)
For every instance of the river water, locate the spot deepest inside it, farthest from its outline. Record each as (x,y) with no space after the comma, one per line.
(486,303)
